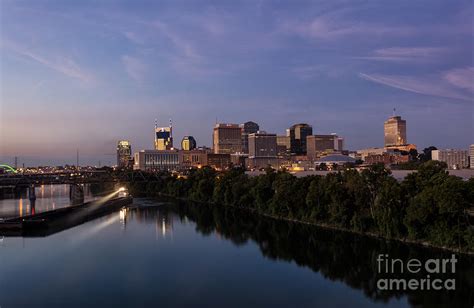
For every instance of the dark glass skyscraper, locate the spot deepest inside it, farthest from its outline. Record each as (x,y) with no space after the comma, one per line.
(298,134)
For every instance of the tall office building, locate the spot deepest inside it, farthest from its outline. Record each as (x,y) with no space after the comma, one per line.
(298,134)
(317,145)
(283,145)
(262,144)
(395,131)
(263,151)
(471,156)
(247,129)
(124,153)
(227,138)
(188,143)
(163,137)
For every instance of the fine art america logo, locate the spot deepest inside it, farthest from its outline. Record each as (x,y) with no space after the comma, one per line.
(431,274)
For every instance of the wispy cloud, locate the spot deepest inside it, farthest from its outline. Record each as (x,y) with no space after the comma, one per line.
(335,25)
(349,22)
(316,71)
(184,47)
(428,85)
(64,65)
(134,67)
(407,54)
(134,37)
(461,78)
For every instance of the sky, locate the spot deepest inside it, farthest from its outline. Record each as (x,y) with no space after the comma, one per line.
(85,74)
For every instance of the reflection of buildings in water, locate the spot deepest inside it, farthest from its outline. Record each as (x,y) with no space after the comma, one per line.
(25,208)
(20,207)
(161,218)
(164,223)
(32,207)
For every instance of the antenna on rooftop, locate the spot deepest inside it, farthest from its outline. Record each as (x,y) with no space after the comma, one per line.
(394,110)
(171,128)
(154,133)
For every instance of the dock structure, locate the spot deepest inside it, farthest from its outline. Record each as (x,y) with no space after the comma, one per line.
(50,222)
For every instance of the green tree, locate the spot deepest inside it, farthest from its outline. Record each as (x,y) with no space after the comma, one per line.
(389,209)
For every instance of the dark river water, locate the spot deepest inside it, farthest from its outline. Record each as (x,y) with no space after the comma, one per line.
(162,254)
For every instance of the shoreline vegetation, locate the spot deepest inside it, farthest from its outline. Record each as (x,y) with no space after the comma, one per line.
(427,208)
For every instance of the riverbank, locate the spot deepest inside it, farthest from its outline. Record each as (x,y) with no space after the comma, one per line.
(329,227)
(465,174)
(429,207)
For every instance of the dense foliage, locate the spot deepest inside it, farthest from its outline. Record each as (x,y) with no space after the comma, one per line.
(427,206)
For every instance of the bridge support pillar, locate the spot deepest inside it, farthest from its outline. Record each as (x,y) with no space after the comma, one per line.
(31,192)
(76,194)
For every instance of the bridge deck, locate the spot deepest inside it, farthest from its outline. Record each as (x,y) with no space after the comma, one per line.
(49,222)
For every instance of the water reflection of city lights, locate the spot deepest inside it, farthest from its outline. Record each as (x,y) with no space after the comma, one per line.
(163,227)
(20,204)
(123,217)
(166,225)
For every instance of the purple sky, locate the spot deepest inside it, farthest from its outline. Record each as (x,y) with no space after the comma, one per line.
(84,74)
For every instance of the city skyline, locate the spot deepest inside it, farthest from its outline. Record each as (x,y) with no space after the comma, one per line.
(276,64)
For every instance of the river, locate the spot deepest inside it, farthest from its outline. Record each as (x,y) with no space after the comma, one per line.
(48,197)
(169,254)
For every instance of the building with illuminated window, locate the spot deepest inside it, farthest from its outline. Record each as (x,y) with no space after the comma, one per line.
(227,139)
(195,158)
(283,145)
(124,153)
(163,137)
(158,160)
(455,159)
(218,161)
(395,131)
(188,143)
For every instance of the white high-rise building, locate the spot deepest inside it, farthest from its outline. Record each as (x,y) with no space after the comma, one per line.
(455,159)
